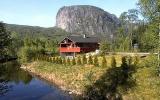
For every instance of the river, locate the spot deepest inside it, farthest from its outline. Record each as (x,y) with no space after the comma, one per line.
(16,84)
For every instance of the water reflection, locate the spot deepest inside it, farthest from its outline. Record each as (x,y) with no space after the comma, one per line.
(16,84)
(10,72)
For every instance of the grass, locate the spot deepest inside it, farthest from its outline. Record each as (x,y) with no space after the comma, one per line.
(74,76)
(77,77)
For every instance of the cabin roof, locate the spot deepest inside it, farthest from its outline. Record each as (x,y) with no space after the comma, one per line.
(81,39)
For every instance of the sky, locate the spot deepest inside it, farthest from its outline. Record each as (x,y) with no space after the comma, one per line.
(43,12)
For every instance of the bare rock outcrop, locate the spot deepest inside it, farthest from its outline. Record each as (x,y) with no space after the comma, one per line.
(85,19)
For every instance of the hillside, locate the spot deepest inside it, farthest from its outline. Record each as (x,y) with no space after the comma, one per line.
(36,31)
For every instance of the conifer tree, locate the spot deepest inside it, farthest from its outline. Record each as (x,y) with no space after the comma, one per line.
(79,60)
(90,60)
(73,61)
(53,59)
(56,60)
(113,62)
(60,60)
(64,61)
(84,59)
(96,61)
(68,61)
(104,62)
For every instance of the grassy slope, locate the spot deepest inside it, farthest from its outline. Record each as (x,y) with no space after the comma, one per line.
(77,77)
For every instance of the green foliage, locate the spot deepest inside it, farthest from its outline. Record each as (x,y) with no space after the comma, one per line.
(149,41)
(64,61)
(84,59)
(104,62)
(95,61)
(68,61)
(79,60)
(26,54)
(73,61)
(104,47)
(150,11)
(89,77)
(53,59)
(150,61)
(136,61)
(5,39)
(60,60)
(113,62)
(90,60)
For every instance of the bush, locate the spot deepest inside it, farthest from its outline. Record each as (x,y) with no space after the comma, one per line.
(84,59)
(104,62)
(68,61)
(79,60)
(136,61)
(113,62)
(64,61)
(26,54)
(96,61)
(73,61)
(90,60)
(60,60)
(53,59)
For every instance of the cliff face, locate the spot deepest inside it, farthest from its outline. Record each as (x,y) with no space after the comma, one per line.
(86,19)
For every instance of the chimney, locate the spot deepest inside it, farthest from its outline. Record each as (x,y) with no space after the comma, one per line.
(84,35)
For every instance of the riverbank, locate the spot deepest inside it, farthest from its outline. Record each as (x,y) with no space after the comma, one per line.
(76,78)
(33,68)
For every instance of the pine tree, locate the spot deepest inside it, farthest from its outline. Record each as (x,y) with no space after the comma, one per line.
(79,60)
(60,60)
(90,60)
(113,62)
(84,59)
(64,61)
(53,59)
(56,60)
(68,61)
(73,61)
(104,62)
(96,61)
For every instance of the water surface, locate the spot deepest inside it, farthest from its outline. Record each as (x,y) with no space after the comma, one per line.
(16,84)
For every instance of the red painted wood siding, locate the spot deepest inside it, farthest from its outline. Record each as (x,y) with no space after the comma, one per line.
(70,49)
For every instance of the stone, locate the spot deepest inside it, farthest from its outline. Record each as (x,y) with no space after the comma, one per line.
(86,19)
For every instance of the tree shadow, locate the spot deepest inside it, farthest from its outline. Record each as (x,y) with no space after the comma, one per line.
(112,83)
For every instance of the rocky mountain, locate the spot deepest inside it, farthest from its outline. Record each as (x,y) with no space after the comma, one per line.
(85,19)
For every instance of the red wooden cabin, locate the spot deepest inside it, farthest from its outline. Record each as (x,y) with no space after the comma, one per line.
(71,45)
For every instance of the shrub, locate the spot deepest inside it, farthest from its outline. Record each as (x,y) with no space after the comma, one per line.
(129,61)
(60,60)
(90,60)
(68,61)
(136,60)
(73,61)
(84,59)
(104,62)
(53,59)
(113,62)
(96,61)
(57,60)
(64,61)
(79,60)
(26,54)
